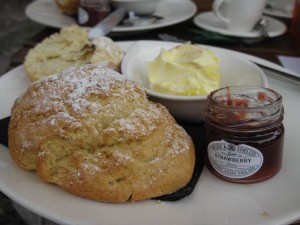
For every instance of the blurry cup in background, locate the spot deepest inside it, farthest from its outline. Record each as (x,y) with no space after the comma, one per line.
(239,15)
(285,6)
(295,24)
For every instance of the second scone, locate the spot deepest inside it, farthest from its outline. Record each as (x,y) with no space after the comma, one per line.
(95,134)
(70,47)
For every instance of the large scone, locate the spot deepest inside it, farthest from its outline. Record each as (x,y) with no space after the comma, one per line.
(95,134)
(70,47)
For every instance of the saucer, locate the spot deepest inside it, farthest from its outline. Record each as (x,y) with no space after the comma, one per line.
(209,22)
(278,13)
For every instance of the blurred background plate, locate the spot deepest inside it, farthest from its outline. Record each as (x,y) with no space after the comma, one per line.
(172,11)
(278,13)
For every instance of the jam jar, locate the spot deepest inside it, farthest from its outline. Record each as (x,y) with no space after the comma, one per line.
(90,12)
(244,133)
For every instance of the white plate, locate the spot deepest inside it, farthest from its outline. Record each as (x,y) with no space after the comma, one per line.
(274,12)
(209,22)
(173,12)
(273,202)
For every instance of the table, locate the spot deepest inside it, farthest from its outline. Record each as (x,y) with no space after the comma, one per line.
(269,49)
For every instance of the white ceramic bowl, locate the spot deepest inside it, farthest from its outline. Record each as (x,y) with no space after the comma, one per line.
(140,7)
(233,71)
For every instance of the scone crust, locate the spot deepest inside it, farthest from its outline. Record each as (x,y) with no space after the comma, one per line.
(95,134)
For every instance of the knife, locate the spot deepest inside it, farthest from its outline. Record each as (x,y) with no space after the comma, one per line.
(107,24)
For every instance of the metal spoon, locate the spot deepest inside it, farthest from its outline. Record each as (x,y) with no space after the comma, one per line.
(262,25)
(136,20)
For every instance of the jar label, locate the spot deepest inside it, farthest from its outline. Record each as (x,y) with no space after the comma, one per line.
(234,161)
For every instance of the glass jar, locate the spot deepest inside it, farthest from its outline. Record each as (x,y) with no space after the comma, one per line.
(90,12)
(244,133)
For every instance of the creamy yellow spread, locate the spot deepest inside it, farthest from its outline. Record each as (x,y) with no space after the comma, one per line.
(184,70)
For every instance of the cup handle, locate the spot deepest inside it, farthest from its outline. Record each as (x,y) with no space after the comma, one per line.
(216,9)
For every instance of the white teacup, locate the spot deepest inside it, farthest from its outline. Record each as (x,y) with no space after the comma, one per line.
(239,15)
(282,5)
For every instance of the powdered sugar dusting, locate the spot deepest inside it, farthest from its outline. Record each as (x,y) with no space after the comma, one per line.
(176,146)
(73,90)
(122,157)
